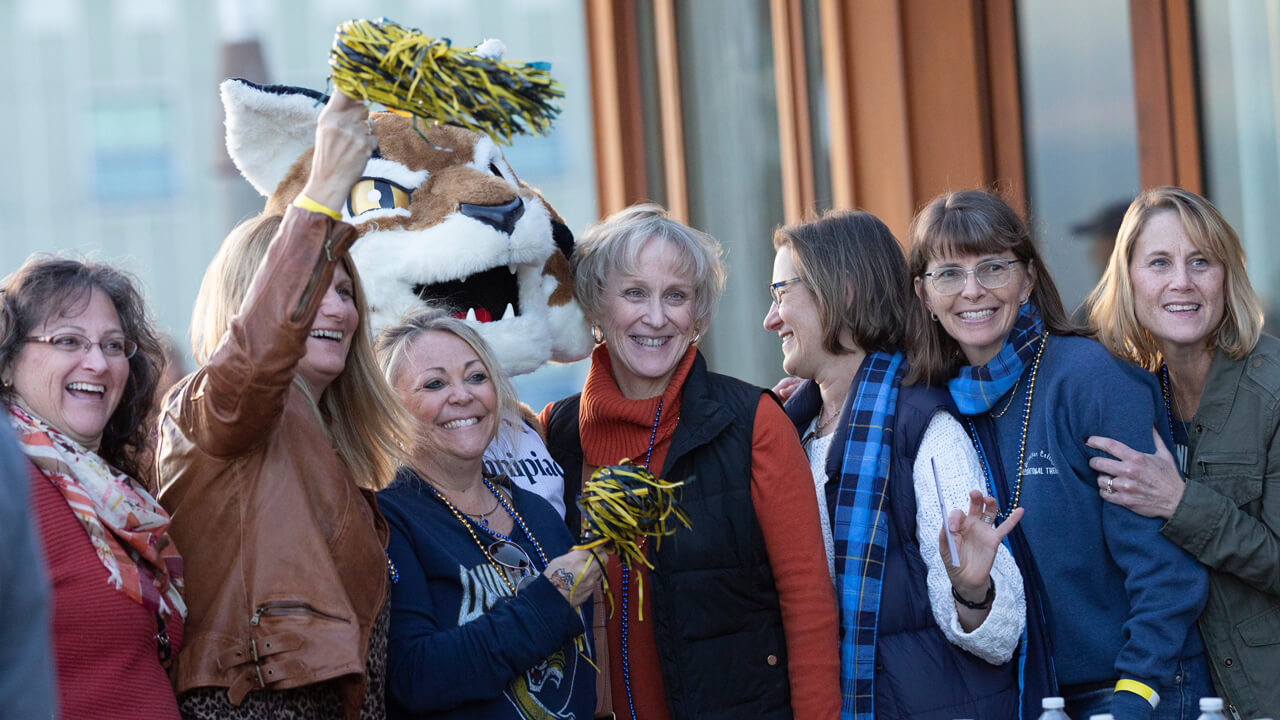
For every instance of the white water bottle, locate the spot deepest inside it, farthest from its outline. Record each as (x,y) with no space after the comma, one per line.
(1053,709)
(1103,716)
(1211,709)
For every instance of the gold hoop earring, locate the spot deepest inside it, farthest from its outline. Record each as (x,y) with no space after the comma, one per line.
(696,337)
(597,334)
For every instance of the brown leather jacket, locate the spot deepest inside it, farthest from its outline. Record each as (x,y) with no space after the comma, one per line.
(284,554)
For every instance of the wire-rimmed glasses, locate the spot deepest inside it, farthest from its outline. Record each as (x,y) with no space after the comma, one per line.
(990,274)
(71,342)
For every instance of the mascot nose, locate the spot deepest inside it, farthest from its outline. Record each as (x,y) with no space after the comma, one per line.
(499,217)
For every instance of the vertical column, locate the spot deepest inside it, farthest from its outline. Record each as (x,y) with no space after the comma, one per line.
(1165,89)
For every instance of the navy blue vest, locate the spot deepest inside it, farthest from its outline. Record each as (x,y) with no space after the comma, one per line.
(920,675)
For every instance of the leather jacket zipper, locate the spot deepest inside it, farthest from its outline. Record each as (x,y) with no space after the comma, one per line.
(313,281)
(290,607)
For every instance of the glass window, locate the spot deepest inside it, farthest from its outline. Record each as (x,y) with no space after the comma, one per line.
(132,160)
(1081,132)
(734,171)
(1239,66)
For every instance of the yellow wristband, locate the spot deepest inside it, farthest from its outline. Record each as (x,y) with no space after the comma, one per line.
(1142,690)
(307,203)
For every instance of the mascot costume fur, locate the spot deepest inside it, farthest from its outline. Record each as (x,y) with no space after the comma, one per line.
(443,220)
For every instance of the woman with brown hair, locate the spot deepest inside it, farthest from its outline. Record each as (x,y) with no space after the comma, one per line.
(269,455)
(78,368)
(1121,601)
(839,299)
(1176,300)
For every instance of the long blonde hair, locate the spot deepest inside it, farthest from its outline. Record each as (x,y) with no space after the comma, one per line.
(1111,305)
(369,428)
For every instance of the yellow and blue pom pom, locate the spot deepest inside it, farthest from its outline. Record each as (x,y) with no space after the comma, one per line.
(412,74)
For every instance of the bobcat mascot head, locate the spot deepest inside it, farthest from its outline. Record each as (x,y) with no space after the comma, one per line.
(442,220)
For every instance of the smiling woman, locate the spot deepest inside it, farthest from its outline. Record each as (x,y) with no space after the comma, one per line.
(840,293)
(79,364)
(487,596)
(1032,389)
(268,456)
(1176,299)
(749,579)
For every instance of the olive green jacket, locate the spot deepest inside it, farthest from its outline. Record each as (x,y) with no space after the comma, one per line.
(1229,519)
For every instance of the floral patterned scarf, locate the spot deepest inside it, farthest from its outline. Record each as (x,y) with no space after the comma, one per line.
(127,527)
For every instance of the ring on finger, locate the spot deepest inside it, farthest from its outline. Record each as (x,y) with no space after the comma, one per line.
(1111,486)
(988,518)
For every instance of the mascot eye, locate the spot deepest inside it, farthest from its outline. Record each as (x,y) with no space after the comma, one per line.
(493,168)
(376,194)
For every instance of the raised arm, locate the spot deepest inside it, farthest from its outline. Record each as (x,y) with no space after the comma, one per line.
(236,398)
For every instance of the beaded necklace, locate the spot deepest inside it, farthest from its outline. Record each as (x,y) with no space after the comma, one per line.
(1167,391)
(1181,450)
(626,575)
(1022,442)
(470,525)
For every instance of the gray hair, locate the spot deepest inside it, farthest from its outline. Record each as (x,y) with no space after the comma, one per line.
(614,245)
(392,347)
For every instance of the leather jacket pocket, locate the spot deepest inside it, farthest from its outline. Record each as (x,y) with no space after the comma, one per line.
(1261,629)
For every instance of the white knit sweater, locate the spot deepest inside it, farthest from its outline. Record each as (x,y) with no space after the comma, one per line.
(959,471)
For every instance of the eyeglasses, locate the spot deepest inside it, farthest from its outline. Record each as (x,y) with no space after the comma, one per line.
(514,561)
(71,342)
(990,274)
(775,289)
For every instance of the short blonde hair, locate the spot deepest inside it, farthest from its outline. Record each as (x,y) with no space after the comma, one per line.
(392,347)
(368,426)
(615,243)
(1112,309)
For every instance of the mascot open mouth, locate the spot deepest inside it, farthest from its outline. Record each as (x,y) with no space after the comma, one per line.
(485,297)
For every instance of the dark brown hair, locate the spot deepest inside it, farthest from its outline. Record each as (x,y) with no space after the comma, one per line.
(970,222)
(47,287)
(856,270)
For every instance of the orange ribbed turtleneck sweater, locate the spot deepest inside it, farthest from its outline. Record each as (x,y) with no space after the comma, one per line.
(614,427)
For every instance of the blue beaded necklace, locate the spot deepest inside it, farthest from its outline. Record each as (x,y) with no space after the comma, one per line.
(1181,450)
(1168,395)
(626,575)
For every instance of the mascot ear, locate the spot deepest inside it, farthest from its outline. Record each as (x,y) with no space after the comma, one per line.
(268,128)
(563,238)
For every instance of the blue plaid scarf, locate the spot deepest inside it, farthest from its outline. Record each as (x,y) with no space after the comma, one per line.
(860,529)
(977,388)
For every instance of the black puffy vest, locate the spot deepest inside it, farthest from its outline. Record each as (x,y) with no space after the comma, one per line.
(920,675)
(716,614)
